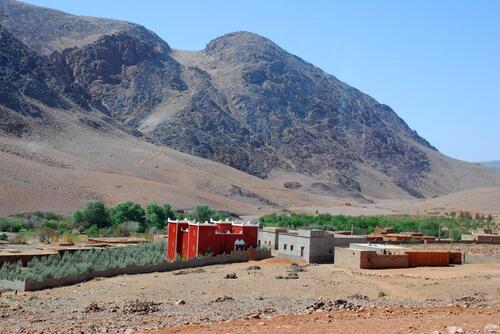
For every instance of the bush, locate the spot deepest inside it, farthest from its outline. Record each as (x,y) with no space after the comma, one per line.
(93,231)
(71,264)
(126,212)
(47,234)
(94,213)
(125,229)
(13,225)
(201,213)
(3,236)
(156,215)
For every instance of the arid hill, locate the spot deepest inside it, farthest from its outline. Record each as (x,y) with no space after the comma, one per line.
(73,85)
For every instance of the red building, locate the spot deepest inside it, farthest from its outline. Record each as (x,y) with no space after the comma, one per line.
(191,239)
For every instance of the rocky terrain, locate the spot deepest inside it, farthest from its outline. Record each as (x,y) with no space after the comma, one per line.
(242,101)
(202,299)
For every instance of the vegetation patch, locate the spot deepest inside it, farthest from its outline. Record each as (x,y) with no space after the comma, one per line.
(453,225)
(72,264)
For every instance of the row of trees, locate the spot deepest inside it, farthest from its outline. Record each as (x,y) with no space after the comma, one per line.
(366,224)
(130,216)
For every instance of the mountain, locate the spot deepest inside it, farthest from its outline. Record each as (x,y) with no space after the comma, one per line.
(495,164)
(242,101)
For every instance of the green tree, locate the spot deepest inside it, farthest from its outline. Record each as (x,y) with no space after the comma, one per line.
(155,215)
(127,212)
(93,231)
(201,213)
(168,211)
(94,213)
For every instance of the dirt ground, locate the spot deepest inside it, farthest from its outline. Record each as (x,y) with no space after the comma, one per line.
(203,296)
(395,320)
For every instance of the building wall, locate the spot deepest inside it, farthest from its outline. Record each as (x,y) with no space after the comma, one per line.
(175,237)
(345,257)
(268,239)
(322,249)
(372,260)
(346,240)
(318,246)
(364,259)
(294,247)
(428,259)
(184,237)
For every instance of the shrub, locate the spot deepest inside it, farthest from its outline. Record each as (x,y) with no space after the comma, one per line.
(71,264)
(13,225)
(93,231)
(94,213)
(127,211)
(3,236)
(201,213)
(47,234)
(125,229)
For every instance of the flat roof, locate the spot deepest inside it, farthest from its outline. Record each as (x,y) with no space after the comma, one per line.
(374,246)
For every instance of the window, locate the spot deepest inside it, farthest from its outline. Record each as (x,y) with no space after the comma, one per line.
(302,251)
(284,246)
(291,248)
(258,243)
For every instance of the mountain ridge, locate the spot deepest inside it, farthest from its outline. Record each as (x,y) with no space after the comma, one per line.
(242,101)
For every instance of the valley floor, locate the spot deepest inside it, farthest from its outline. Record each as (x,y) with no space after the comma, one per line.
(202,300)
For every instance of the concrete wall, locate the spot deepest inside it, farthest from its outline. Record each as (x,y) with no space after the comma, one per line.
(322,249)
(350,258)
(346,240)
(318,246)
(12,285)
(293,246)
(268,239)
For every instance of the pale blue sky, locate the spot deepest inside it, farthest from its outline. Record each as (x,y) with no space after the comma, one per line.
(436,63)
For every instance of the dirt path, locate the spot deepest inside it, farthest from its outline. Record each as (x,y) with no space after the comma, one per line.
(386,320)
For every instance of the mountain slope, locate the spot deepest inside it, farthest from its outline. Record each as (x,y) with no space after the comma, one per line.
(47,30)
(242,101)
(492,164)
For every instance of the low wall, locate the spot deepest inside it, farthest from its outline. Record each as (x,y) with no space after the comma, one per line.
(372,260)
(11,285)
(238,256)
(428,258)
(365,259)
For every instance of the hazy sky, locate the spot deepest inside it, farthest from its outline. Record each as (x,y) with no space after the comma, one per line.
(436,63)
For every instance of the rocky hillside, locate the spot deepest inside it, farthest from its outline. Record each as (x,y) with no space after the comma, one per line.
(492,164)
(242,101)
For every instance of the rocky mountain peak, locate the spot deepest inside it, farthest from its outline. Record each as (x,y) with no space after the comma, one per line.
(243,46)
